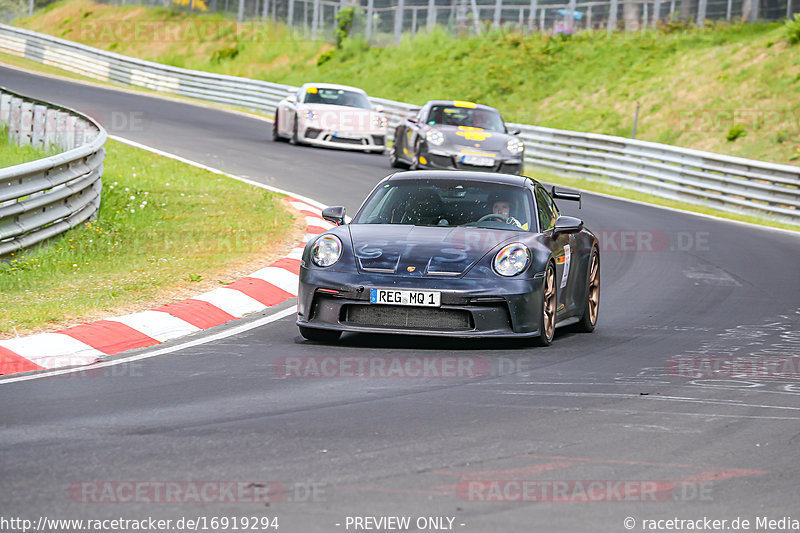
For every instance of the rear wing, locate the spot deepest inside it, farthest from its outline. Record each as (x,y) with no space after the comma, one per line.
(572,196)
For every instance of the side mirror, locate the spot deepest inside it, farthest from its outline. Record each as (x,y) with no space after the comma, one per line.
(515,131)
(413,120)
(379,108)
(565,224)
(572,196)
(334,214)
(292,98)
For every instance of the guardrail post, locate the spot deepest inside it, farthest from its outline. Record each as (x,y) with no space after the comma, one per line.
(290,13)
(25,123)
(431,14)
(370,16)
(701,12)
(39,117)
(315,20)
(656,13)
(61,129)
(69,132)
(50,128)
(13,120)
(498,10)
(5,108)
(476,17)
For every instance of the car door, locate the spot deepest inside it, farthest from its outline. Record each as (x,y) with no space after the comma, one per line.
(560,247)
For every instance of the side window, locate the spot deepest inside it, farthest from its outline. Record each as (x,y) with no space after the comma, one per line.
(545,209)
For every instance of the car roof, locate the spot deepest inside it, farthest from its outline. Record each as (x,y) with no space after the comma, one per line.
(333,86)
(464,175)
(460,103)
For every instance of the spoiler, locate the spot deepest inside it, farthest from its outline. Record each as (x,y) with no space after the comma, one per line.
(572,196)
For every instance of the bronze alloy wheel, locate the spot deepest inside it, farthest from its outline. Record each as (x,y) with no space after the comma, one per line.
(594,288)
(549,305)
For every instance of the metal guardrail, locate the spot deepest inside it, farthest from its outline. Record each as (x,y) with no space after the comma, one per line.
(43,198)
(723,182)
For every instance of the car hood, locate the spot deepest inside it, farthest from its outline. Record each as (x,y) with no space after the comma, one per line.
(473,139)
(422,250)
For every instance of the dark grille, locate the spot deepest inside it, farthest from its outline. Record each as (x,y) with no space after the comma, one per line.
(312,133)
(408,317)
(378,139)
(346,141)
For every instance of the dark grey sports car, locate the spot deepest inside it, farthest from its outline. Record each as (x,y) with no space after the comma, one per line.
(450,134)
(465,254)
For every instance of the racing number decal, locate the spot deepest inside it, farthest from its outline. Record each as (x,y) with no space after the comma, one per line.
(565,275)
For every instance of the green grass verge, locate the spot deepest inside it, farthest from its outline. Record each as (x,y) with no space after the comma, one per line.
(165,231)
(12,154)
(621,192)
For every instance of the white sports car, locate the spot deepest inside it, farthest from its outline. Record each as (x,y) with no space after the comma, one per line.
(336,116)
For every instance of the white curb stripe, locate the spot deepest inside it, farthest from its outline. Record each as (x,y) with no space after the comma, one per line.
(231,301)
(296,253)
(52,350)
(280,277)
(157,324)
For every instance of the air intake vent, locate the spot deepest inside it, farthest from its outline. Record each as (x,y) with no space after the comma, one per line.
(391,316)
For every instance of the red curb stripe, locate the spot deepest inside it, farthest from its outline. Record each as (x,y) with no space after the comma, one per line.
(315,214)
(11,363)
(315,230)
(287,263)
(109,337)
(198,313)
(258,289)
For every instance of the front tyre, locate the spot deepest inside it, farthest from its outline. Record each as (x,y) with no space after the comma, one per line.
(394,160)
(276,136)
(547,322)
(591,307)
(319,335)
(293,140)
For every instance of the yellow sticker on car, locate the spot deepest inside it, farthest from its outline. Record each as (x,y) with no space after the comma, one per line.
(313,90)
(473,134)
(461,103)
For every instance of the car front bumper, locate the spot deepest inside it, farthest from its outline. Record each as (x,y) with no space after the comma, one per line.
(469,307)
(436,160)
(349,141)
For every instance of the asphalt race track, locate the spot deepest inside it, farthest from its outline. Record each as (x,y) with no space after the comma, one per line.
(637,401)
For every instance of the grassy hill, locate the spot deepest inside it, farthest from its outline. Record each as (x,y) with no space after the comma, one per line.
(731,89)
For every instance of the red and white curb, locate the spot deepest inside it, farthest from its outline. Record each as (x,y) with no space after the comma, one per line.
(89,343)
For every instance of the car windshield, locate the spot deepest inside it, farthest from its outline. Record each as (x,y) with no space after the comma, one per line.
(315,95)
(449,203)
(450,115)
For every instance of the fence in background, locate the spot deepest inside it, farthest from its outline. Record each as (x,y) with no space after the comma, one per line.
(43,198)
(727,183)
(383,22)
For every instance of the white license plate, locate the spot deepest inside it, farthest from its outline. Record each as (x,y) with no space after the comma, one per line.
(405,297)
(477,160)
(345,135)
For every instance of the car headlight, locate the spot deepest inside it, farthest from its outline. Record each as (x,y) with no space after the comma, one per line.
(435,137)
(515,146)
(380,122)
(326,251)
(312,116)
(512,259)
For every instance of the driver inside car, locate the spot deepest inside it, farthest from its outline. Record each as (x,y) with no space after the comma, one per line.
(502,208)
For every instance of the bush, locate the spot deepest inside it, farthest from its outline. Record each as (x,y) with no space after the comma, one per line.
(793,29)
(344,23)
(736,131)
